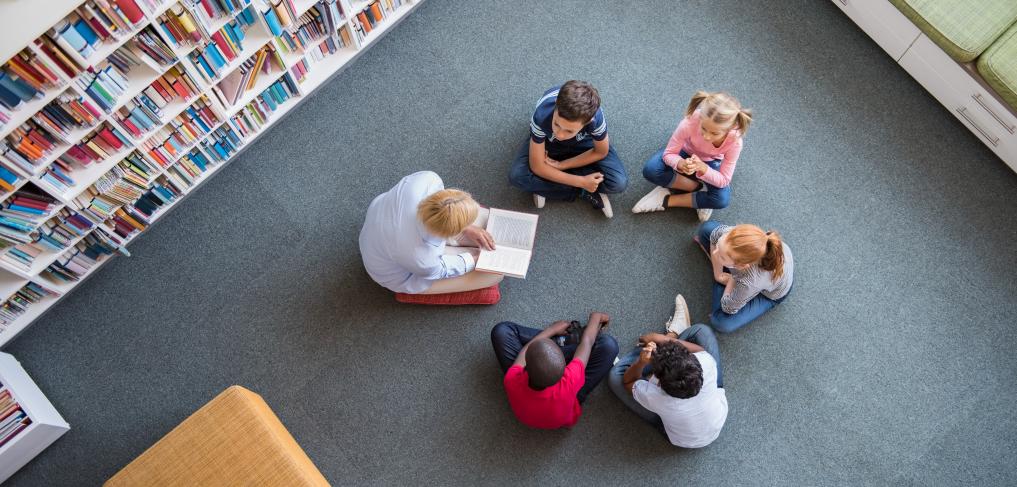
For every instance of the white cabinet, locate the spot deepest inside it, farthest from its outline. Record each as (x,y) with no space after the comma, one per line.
(47,424)
(967,99)
(883,23)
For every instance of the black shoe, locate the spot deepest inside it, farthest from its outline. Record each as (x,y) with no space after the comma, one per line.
(574,333)
(593,199)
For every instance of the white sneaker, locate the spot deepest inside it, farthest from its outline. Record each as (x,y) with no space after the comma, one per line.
(539,200)
(608,212)
(704,214)
(653,201)
(680,320)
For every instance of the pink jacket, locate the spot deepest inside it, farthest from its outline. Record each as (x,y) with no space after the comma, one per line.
(688,138)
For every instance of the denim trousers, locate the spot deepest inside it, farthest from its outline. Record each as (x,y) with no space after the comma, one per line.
(522,177)
(656,172)
(699,334)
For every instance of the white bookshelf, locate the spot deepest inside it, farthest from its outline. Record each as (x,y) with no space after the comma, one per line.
(34,19)
(47,424)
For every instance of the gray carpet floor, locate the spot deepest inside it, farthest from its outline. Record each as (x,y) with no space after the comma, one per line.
(891,363)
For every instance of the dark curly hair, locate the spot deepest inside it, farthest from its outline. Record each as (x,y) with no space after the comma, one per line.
(677,370)
(578,101)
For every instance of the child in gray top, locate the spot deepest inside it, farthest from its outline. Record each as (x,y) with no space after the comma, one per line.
(753,270)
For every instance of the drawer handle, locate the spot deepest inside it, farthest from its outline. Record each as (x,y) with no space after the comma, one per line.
(963,111)
(1008,127)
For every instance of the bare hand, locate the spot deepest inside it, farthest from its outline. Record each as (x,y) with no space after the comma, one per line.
(553,163)
(592,181)
(600,318)
(559,327)
(479,236)
(647,354)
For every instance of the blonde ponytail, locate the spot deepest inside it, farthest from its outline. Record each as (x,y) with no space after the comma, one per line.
(722,109)
(694,103)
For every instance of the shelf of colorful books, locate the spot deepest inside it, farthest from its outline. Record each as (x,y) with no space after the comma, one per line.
(389,18)
(9,284)
(79,262)
(263,82)
(17,185)
(23,93)
(218,57)
(27,304)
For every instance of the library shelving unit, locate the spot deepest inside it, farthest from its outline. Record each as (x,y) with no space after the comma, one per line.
(208,77)
(46,424)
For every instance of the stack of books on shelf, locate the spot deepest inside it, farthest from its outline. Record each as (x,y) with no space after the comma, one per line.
(181,28)
(279,15)
(263,63)
(182,132)
(58,232)
(100,144)
(175,85)
(367,19)
(141,165)
(28,146)
(150,45)
(222,144)
(126,222)
(19,303)
(74,264)
(223,47)
(184,174)
(69,112)
(94,24)
(13,419)
(157,197)
(9,180)
(24,78)
(256,114)
(208,12)
(107,84)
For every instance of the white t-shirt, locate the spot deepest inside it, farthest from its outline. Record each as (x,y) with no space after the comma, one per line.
(690,423)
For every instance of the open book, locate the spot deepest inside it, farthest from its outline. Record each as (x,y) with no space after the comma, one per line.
(513,234)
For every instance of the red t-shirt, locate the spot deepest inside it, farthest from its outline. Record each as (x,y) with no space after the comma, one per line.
(552,408)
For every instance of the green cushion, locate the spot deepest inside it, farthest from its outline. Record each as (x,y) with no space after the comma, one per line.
(963,28)
(998,65)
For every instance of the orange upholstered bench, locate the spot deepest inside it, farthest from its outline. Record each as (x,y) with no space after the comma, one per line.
(233,440)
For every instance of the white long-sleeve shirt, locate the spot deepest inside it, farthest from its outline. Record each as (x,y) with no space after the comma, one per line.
(398,252)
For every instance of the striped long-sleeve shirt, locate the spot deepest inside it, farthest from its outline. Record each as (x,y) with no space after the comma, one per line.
(753,281)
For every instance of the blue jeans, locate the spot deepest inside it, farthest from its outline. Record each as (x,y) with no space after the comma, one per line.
(656,172)
(522,177)
(758,306)
(699,334)
(509,339)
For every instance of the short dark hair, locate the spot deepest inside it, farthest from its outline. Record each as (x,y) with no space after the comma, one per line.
(545,364)
(678,371)
(578,101)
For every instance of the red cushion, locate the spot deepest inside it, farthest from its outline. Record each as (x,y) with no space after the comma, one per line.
(488,295)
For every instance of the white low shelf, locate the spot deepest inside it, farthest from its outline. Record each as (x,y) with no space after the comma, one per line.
(47,424)
(957,86)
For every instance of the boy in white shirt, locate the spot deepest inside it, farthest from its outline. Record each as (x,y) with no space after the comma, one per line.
(674,381)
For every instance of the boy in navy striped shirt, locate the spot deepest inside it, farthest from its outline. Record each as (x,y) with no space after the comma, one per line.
(568,154)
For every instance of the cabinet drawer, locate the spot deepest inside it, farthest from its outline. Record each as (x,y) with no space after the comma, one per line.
(883,23)
(953,85)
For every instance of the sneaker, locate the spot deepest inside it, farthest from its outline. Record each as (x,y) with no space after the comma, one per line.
(598,201)
(680,320)
(539,201)
(704,214)
(574,333)
(655,200)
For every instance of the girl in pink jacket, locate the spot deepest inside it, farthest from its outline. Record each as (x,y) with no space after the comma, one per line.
(701,155)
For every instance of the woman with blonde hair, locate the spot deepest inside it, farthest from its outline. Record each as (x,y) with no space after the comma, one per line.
(753,270)
(701,155)
(420,238)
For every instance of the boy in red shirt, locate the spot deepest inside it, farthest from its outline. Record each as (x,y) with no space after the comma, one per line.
(542,390)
